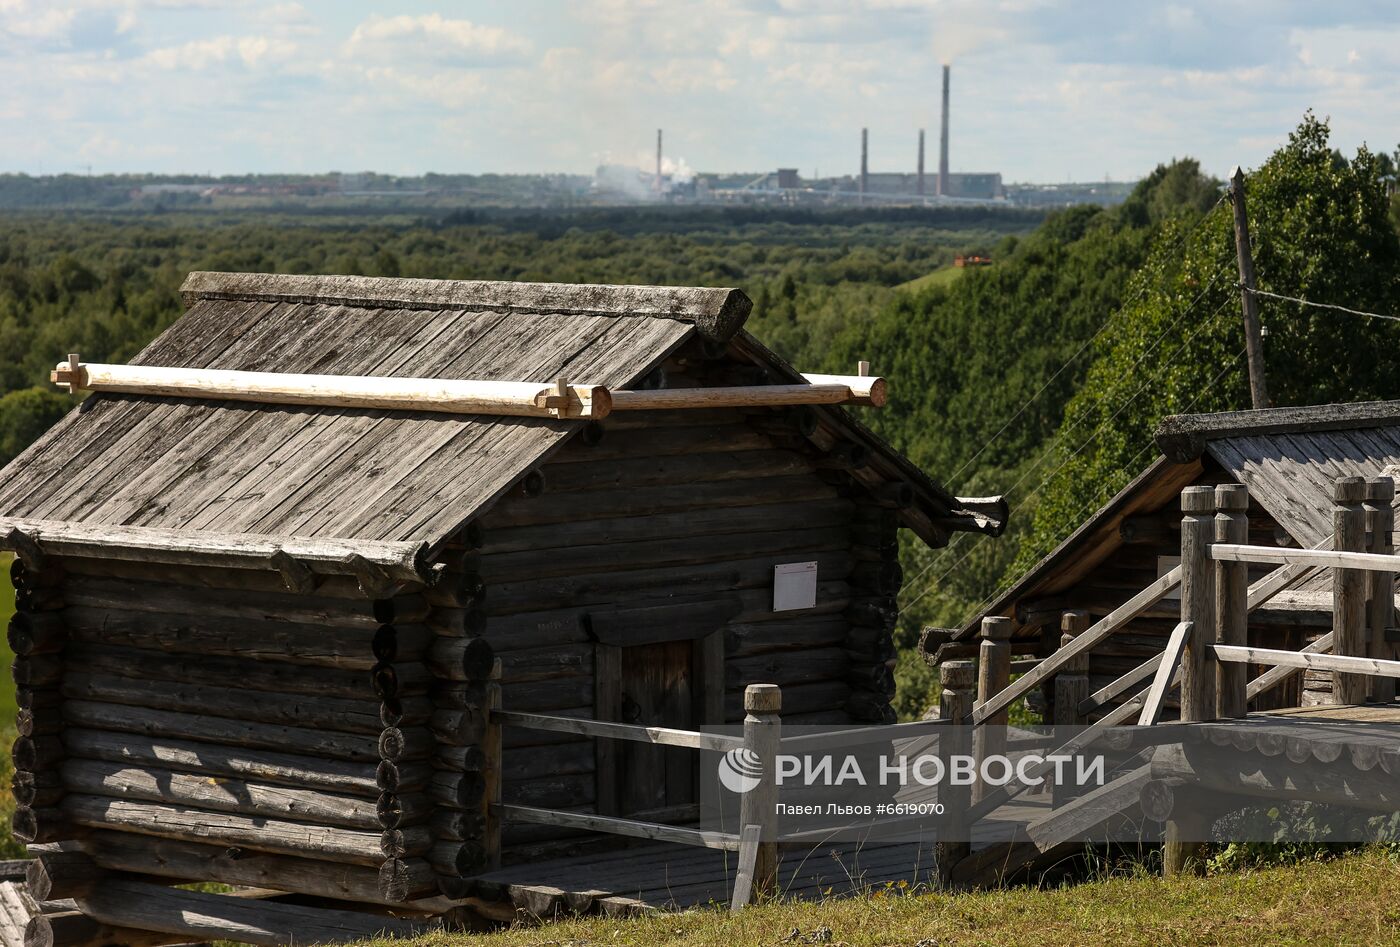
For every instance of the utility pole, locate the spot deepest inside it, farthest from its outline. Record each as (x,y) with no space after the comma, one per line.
(1253,337)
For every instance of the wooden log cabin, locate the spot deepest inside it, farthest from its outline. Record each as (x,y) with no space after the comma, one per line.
(256,640)
(1287,457)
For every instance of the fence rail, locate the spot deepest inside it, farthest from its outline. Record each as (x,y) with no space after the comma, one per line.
(607,729)
(1207,654)
(757,840)
(1373,667)
(1082,644)
(657,831)
(1333,558)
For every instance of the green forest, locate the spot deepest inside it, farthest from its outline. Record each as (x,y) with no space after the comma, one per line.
(1040,377)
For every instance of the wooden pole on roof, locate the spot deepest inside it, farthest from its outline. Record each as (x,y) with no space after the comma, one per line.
(557,399)
(445,395)
(1249,303)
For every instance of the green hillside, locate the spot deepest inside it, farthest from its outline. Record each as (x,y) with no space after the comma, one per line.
(945,276)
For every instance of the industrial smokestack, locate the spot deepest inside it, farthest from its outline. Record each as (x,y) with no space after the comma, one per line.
(864,160)
(943,140)
(658,161)
(920,185)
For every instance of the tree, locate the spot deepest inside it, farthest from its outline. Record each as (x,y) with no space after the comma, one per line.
(24,415)
(1321,232)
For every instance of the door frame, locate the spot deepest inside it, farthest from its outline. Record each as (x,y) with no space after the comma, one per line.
(707,695)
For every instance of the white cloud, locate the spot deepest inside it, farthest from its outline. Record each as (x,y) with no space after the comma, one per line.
(450,90)
(25,23)
(286,19)
(737,84)
(197,55)
(433,33)
(285,13)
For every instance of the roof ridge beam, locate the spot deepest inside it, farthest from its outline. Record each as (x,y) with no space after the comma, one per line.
(399,561)
(716,313)
(1183,437)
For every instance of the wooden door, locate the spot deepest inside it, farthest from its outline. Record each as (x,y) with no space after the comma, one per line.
(657,689)
(656,669)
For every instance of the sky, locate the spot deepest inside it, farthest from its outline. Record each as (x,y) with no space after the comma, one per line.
(1041,91)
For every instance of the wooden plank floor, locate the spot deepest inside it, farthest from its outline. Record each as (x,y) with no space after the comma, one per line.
(1329,729)
(1339,713)
(666,876)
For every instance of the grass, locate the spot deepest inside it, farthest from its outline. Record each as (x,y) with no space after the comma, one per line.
(1354,899)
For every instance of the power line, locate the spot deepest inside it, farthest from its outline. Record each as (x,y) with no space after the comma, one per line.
(1131,464)
(1066,431)
(1080,351)
(1087,441)
(1132,368)
(1307,302)
(1142,292)
(1138,456)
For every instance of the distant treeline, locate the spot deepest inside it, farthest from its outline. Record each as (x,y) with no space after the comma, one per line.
(104,283)
(721,220)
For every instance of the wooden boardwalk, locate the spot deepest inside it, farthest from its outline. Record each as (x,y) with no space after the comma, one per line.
(1363,735)
(666,876)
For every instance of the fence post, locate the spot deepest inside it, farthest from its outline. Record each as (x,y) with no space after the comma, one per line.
(1183,845)
(759,806)
(1072,682)
(1380,605)
(993,677)
(1231,600)
(1349,589)
(1198,603)
(1071,686)
(491,768)
(955,706)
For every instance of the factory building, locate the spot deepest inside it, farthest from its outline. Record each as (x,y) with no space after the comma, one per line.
(875,187)
(983,186)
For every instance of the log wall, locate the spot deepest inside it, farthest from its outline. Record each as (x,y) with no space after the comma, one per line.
(174,716)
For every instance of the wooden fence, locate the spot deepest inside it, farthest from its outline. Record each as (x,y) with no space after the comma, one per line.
(1208,653)
(757,840)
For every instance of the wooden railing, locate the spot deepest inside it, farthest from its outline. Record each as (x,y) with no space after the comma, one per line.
(1361,557)
(1208,652)
(757,840)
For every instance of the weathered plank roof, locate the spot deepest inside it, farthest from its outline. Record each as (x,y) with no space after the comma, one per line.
(1288,457)
(227,467)
(235,469)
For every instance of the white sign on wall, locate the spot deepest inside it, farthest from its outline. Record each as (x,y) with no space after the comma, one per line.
(794,586)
